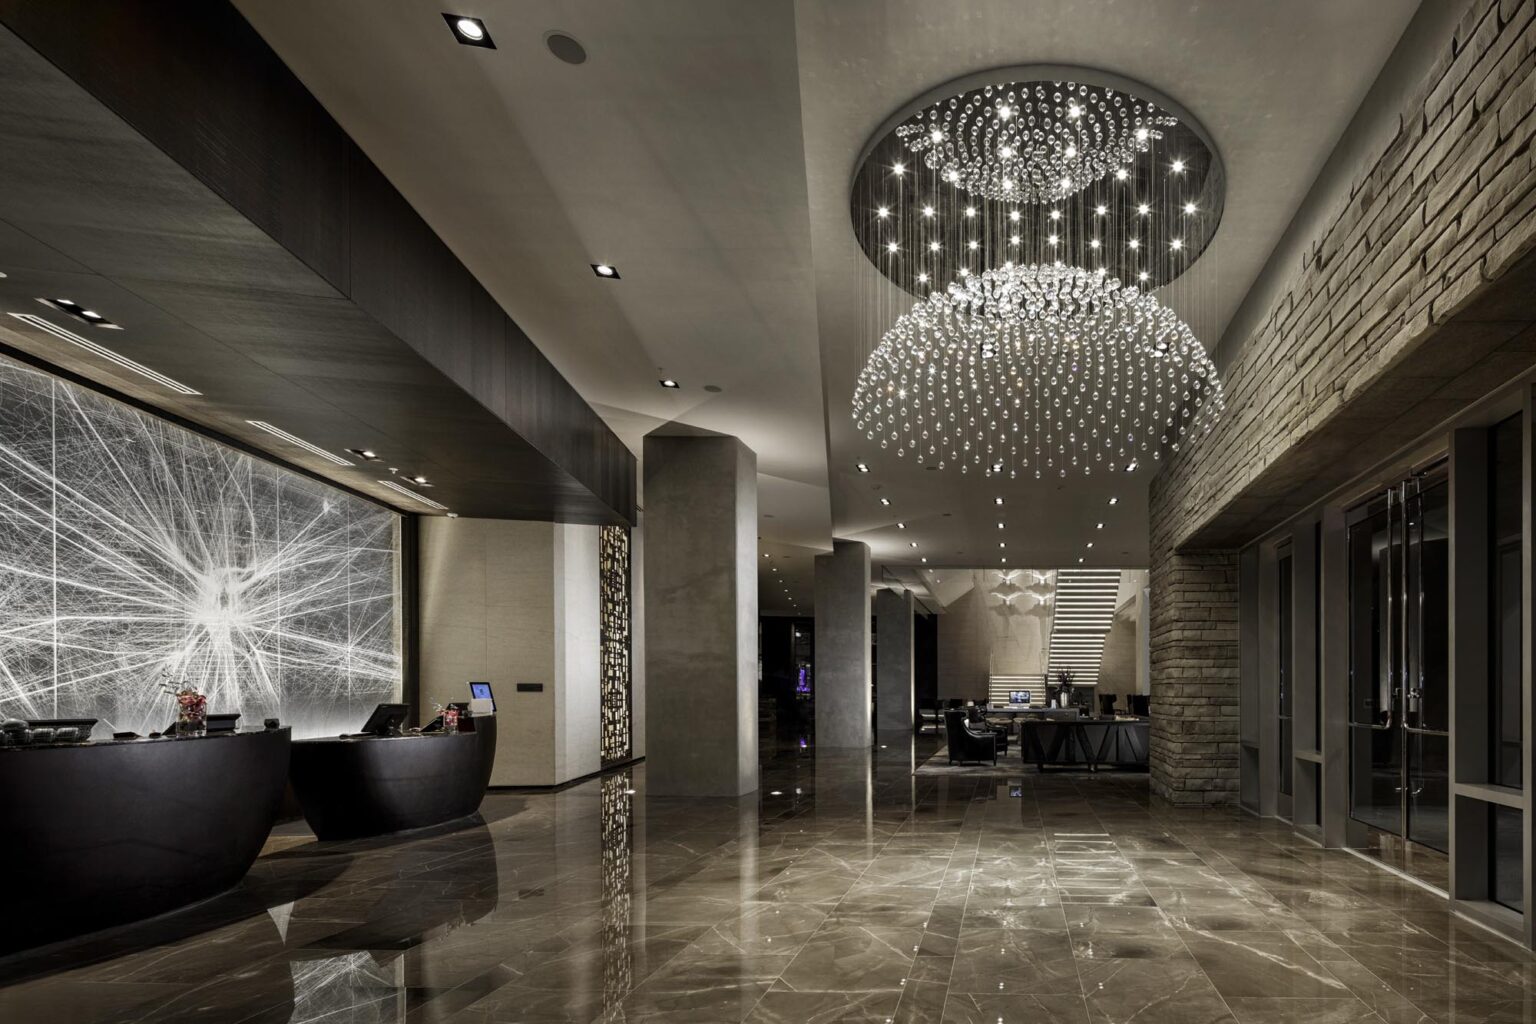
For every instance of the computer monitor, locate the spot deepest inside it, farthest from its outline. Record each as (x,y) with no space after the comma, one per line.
(1018,696)
(482,692)
(386,720)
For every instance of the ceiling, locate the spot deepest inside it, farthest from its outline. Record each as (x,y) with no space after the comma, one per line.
(706,150)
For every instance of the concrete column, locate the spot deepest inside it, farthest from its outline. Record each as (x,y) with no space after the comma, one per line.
(700,605)
(893,661)
(512,602)
(842,646)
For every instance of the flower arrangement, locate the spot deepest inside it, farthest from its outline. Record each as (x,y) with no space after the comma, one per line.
(191,708)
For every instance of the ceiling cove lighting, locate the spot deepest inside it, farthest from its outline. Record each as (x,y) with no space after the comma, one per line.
(606,271)
(105,353)
(413,495)
(313,449)
(469,31)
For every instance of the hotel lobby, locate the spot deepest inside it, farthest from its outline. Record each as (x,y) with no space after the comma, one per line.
(770,511)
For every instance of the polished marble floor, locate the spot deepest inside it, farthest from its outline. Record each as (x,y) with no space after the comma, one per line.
(846,890)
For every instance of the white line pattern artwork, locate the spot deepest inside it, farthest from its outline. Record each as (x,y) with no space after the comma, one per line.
(136,554)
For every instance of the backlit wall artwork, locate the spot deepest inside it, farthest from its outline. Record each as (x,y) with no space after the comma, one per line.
(135,554)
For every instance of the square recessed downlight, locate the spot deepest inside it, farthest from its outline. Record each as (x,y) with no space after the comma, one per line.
(469,31)
(606,271)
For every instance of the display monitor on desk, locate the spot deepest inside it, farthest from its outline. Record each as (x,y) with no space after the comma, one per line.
(1018,696)
(481,700)
(386,720)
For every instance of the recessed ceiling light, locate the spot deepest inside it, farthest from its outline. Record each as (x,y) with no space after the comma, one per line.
(469,31)
(668,382)
(565,48)
(999,526)
(861,466)
(883,212)
(1189,207)
(79,312)
(885,501)
(1099,527)
(1114,501)
(298,442)
(1090,543)
(901,526)
(366,454)
(54,329)
(606,270)
(1079,561)
(1178,167)
(913,544)
(420,481)
(997,500)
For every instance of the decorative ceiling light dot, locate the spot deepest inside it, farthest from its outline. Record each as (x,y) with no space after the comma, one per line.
(997,501)
(885,501)
(861,466)
(1013,239)
(1101,209)
(913,544)
(1142,275)
(891,247)
(1090,544)
(1178,167)
(1051,238)
(927,211)
(1190,207)
(1176,244)
(970,211)
(1094,348)
(972,244)
(1093,243)
(1122,174)
(901,526)
(933,246)
(1013,215)
(1055,215)
(1134,243)
(1114,501)
(899,169)
(1143,209)
(1099,527)
(922,278)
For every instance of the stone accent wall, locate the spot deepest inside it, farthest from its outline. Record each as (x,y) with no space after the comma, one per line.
(1194,677)
(1364,329)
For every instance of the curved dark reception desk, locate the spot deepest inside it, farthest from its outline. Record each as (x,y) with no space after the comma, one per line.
(354,786)
(104,833)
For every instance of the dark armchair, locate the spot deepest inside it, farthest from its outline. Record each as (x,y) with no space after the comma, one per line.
(966,744)
(978,723)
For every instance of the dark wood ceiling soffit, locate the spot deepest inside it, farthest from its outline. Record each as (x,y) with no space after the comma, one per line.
(196,81)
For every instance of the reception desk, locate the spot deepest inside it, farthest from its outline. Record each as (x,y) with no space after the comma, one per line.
(1085,742)
(355,786)
(100,834)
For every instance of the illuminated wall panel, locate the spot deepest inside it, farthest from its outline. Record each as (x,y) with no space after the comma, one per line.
(135,553)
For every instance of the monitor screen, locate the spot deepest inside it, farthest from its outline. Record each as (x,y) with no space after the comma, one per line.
(386,719)
(482,691)
(1018,696)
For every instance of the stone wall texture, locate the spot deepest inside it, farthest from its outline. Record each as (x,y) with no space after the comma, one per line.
(1369,327)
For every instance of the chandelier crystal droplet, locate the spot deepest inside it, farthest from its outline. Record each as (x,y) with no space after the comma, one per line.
(1042,370)
(1033,142)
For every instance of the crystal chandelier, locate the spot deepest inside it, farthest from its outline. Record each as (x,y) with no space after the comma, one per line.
(1044,369)
(1033,142)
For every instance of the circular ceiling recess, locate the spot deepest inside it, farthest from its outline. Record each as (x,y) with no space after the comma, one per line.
(1037,166)
(566,48)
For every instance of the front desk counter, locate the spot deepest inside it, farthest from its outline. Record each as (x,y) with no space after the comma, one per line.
(99,834)
(1085,742)
(355,786)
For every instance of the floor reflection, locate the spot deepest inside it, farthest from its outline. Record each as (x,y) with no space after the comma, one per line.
(847,889)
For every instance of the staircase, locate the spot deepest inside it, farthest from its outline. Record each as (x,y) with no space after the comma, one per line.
(1085,607)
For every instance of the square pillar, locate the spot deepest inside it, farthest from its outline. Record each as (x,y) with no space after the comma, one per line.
(842,647)
(893,661)
(700,569)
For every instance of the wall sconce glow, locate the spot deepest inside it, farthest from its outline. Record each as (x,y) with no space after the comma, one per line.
(313,449)
(110,356)
(413,495)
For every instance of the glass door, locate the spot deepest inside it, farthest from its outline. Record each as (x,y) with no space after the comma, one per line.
(1399,549)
